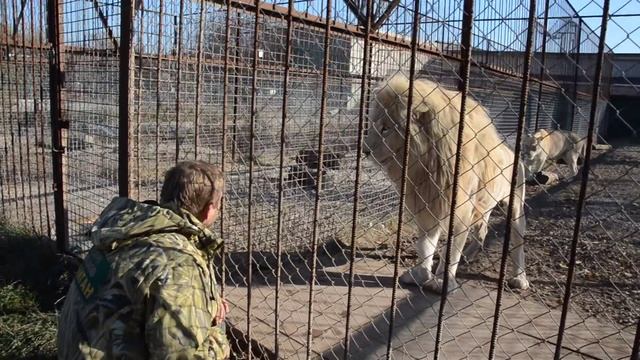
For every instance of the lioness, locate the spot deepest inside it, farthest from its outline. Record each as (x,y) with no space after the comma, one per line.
(547,144)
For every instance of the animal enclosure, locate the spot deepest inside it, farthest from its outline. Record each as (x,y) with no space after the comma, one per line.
(99,98)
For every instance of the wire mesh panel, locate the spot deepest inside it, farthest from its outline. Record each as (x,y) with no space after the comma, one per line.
(25,143)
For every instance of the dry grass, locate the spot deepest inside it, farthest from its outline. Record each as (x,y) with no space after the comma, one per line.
(32,280)
(25,331)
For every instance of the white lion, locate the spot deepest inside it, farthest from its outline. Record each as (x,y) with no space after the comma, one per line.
(552,145)
(485,176)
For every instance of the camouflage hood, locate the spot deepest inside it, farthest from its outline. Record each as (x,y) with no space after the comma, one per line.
(125,219)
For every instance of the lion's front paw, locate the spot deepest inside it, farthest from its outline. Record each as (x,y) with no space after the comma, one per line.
(417,275)
(436,285)
(519,282)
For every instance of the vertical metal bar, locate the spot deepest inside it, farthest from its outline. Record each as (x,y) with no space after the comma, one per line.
(236,90)
(198,80)
(158,99)
(364,88)
(463,87)
(486,53)
(405,164)
(6,110)
(27,163)
(225,114)
(176,36)
(534,47)
(316,206)
(635,352)
(59,125)
(179,79)
(585,177)
(575,74)
(285,104)
(138,91)
(125,81)
(254,86)
(466,47)
(501,34)
(3,203)
(17,117)
(524,97)
(543,61)
(42,9)
(445,49)
(5,148)
(37,111)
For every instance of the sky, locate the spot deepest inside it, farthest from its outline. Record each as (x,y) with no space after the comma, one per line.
(623,33)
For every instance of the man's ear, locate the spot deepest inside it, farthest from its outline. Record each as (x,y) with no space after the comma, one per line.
(216,205)
(204,213)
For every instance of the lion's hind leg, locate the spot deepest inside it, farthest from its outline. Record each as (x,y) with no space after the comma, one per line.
(476,243)
(571,158)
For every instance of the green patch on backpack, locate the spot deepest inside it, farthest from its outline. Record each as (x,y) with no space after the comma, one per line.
(93,273)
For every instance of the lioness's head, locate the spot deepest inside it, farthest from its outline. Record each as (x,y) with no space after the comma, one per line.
(530,147)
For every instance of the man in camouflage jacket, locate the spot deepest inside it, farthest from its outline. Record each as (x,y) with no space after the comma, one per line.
(146,288)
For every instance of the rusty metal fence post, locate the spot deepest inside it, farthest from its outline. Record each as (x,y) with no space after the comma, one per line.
(279,223)
(524,95)
(250,207)
(364,92)
(542,61)
(405,165)
(316,207)
(576,74)
(463,86)
(125,82)
(585,178)
(59,125)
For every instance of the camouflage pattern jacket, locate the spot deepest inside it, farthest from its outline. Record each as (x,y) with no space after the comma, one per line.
(146,289)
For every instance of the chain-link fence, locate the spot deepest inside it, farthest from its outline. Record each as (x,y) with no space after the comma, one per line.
(317,232)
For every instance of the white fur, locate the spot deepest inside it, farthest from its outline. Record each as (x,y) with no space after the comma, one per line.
(485,177)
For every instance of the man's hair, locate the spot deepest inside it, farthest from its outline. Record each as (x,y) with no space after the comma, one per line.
(192,185)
